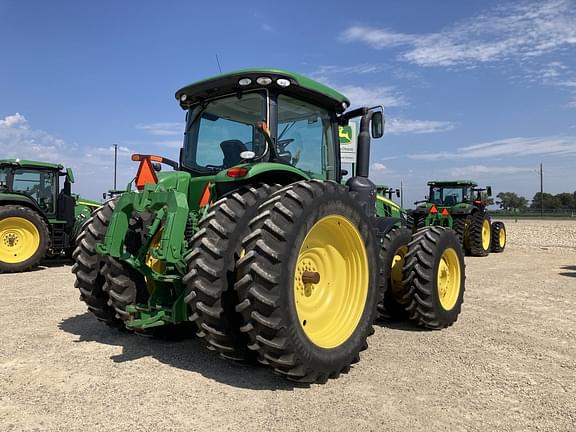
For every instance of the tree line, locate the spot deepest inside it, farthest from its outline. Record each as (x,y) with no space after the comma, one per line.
(562,201)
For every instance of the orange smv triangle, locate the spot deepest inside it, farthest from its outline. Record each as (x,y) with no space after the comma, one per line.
(445,212)
(433,210)
(146,174)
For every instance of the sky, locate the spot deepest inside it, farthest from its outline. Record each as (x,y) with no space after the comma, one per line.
(480,90)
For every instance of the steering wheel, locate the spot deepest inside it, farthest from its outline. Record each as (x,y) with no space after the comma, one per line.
(283,143)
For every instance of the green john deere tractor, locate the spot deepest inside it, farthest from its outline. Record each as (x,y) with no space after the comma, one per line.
(37,219)
(461,205)
(254,238)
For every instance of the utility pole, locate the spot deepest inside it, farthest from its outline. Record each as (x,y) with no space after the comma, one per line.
(541,192)
(115,163)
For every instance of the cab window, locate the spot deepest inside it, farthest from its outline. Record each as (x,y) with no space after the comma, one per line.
(38,185)
(3,178)
(305,137)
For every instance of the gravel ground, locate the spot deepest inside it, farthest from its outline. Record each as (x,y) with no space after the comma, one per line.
(508,364)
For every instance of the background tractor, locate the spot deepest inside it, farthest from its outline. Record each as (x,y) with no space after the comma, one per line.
(462,206)
(37,219)
(255,239)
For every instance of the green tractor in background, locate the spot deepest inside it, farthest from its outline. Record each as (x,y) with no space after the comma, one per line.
(462,206)
(256,240)
(37,219)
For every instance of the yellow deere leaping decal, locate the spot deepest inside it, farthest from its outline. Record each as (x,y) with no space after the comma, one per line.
(345,134)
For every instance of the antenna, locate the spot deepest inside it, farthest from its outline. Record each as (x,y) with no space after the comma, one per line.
(218,61)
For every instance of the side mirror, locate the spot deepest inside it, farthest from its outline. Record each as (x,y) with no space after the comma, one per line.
(398,193)
(377,124)
(489,191)
(344,172)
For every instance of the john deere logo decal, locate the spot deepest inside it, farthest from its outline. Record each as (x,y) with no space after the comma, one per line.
(345,134)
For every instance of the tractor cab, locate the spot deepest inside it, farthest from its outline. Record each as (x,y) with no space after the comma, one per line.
(38,184)
(263,115)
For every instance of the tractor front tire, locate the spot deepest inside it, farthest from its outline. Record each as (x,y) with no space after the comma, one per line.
(392,257)
(89,265)
(214,250)
(434,271)
(24,238)
(308,282)
(498,237)
(480,234)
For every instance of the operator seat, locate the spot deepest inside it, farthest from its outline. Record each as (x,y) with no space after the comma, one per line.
(451,200)
(232,149)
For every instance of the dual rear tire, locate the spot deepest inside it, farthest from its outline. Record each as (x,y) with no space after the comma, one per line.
(430,291)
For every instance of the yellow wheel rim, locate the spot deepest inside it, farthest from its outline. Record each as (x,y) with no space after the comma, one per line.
(153,262)
(486,234)
(19,240)
(396,270)
(448,279)
(502,237)
(331,281)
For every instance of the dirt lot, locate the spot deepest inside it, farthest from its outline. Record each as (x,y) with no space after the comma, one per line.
(509,363)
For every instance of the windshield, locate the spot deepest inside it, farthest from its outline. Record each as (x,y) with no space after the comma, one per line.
(217,132)
(449,196)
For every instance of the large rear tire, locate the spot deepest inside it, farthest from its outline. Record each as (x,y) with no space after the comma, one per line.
(480,234)
(392,256)
(89,266)
(24,238)
(211,263)
(461,226)
(308,286)
(499,237)
(435,278)
(414,222)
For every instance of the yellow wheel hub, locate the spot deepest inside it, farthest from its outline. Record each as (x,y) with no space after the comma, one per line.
(396,271)
(502,237)
(448,279)
(19,240)
(153,262)
(486,234)
(331,281)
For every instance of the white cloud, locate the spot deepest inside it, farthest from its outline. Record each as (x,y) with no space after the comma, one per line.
(324,71)
(377,166)
(520,31)
(93,167)
(372,96)
(397,126)
(162,128)
(511,147)
(481,170)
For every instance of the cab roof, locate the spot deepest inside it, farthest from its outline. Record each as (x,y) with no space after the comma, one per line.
(300,87)
(30,164)
(452,183)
